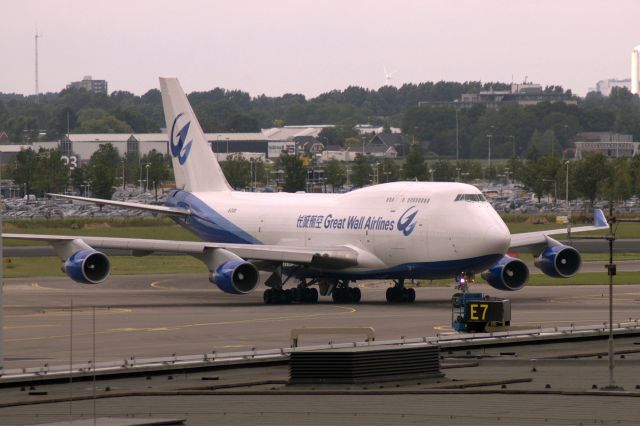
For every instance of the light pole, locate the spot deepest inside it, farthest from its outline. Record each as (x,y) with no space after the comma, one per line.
(513,143)
(458,170)
(146,182)
(489,154)
(567,200)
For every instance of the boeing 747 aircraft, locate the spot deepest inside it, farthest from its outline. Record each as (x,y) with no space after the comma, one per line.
(395,231)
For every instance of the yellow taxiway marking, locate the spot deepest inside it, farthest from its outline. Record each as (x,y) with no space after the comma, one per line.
(347,311)
(156,285)
(76,311)
(40,287)
(11,327)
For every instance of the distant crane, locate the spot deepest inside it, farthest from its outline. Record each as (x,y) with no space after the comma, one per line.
(388,76)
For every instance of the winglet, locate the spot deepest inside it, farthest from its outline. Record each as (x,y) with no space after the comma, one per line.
(599,219)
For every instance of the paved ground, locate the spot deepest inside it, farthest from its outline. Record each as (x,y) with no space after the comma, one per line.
(185,314)
(524,385)
(160,315)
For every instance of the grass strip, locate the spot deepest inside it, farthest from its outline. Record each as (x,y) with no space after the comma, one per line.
(25,267)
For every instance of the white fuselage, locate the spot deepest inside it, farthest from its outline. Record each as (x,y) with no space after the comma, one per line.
(396,223)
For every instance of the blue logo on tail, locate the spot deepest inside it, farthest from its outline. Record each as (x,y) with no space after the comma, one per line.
(406,224)
(179,149)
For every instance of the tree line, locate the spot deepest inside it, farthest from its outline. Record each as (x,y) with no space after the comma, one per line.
(514,129)
(593,177)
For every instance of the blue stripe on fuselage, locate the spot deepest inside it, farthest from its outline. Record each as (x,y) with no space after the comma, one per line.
(205,222)
(418,270)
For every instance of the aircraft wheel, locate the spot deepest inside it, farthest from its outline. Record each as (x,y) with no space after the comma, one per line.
(267,296)
(296,295)
(312,295)
(390,295)
(411,293)
(356,295)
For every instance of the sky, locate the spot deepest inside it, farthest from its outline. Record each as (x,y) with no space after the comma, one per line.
(298,46)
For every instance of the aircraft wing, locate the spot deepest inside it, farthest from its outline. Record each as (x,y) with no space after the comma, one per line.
(536,241)
(172,211)
(334,257)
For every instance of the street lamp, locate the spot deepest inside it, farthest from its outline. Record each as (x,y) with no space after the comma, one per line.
(458,170)
(513,143)
(146,182)
(567,200)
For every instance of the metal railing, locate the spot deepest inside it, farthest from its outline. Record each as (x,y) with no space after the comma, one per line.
(444,340)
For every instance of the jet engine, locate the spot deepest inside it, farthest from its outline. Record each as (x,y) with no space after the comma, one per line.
(236,276)
(508,274)
(87,266)
(559,261)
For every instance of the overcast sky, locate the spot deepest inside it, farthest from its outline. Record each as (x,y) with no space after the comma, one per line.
(310,47)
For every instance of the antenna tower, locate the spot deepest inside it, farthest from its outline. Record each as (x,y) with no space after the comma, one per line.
(37,79)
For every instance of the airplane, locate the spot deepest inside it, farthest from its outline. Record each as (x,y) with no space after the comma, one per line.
(395,231)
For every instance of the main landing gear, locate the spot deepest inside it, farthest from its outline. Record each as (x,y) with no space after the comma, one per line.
(399,294)
(342,293)
(275,296)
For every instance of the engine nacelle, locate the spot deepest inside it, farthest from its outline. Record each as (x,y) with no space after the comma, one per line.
(509,274)
(236,276)
(87,266)
(559,261)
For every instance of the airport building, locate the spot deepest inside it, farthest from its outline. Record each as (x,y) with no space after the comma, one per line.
(521,94)
(611,145)
(88,83)
(269,143)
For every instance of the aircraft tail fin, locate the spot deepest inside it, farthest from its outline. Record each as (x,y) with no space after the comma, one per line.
(599,219)
(194,164)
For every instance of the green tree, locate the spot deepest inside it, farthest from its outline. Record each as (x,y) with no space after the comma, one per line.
(389,170)
(106,124)
(539,174)
(361,171)
(294,171)
(26,166)
(237,170)
(51,174)
(414,165)
(102,170)
(618,186)
(444,171)
(335,174)
(589,174)
(158,167)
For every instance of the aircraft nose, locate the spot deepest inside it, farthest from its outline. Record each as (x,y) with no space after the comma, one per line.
(497,238)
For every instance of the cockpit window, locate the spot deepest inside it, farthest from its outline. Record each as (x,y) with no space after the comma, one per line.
(470,197)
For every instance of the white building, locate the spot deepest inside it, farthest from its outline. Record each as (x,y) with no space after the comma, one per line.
(604,86)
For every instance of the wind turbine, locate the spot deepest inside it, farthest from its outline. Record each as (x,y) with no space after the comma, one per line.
(388,76)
